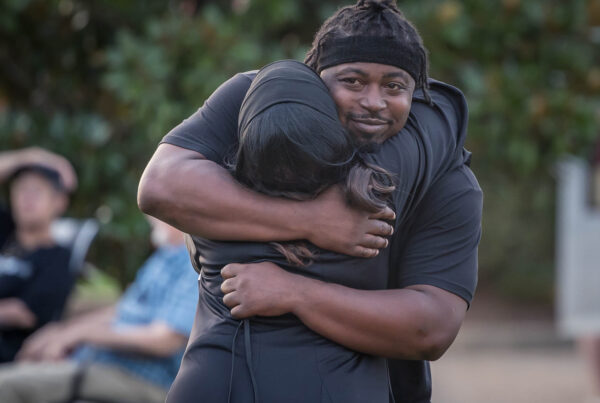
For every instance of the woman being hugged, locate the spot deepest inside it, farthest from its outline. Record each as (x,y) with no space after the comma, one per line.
(292,145)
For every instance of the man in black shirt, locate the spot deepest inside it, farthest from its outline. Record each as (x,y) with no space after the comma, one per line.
(434,259)
(34,271)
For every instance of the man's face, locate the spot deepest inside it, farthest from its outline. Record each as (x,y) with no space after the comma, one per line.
(373,100)
(34,202)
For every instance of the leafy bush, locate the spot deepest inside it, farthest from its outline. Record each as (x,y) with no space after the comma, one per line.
(102,83)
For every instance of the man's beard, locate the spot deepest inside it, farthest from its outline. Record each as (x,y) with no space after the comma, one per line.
(365,140)
(366,145)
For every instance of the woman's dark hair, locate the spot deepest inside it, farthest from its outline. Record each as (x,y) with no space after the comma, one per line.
(373,19)
(290,150)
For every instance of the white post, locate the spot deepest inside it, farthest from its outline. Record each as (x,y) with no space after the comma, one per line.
(577,251)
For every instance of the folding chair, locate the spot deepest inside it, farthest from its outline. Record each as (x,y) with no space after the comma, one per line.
(77,236)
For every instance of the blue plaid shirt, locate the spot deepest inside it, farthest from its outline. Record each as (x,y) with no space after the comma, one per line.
(166,290)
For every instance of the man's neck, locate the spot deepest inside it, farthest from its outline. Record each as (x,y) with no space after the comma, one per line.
(33,238)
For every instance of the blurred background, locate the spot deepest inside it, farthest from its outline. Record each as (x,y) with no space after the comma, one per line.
(102,81)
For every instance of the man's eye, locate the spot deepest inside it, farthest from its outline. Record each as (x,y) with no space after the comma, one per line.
(395,86)
(350,80)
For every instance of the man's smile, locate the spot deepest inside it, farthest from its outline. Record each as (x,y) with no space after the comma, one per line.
(369,126)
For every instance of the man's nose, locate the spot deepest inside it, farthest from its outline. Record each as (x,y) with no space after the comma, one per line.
(372,99)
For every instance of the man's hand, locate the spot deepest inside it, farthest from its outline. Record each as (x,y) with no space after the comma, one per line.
(223,209)
(34,346)
(36,155)
(59,348)
(334,225)
(52,343)
(258,289)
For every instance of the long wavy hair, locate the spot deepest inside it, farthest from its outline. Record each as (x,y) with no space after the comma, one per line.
(292,151)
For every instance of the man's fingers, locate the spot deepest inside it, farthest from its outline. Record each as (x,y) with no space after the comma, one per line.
(374,242)
(360,251)
(231,300)
(230,270)
(385,214)
(228,286)
(239,312)
(380,228)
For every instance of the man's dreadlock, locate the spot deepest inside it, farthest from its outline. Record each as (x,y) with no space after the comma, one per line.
(380,19)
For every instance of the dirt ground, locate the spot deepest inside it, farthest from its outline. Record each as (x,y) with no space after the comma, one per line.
(505,357)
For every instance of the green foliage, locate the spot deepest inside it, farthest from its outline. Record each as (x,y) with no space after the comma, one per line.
(102,82)
(530,72)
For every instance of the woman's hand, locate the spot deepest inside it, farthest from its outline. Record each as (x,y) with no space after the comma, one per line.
(262,289)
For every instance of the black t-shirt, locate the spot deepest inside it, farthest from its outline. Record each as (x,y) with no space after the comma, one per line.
(420,155)
(40,278)
(437,246)
(430,143)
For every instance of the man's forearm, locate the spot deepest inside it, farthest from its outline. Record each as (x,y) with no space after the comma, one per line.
(100,316)
(14,313)
(401,323)
(154,340)
(417,322)
(201,198)
(9,160)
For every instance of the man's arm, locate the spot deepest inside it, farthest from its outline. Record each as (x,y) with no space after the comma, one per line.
(36,344)
(56,341)
(15,314)
(198,196)
(186,185)
(156,339)
(437,273)
(417,322)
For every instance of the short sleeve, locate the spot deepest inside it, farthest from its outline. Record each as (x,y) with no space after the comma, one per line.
(178,307)
(429,145)
(212,130)
(439,244)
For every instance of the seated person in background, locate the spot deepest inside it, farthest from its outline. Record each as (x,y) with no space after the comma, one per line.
(129,352)
(34,272)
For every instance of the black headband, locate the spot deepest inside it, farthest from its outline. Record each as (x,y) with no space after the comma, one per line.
(371,49)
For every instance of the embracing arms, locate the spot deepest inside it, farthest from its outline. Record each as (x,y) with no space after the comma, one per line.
(186,185)
(436,273)
(417,322)
(198,196)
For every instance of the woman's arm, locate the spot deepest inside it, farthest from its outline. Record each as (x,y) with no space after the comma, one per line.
(200,197)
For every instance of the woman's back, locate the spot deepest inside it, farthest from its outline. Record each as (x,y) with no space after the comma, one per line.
(288,361)
(291,145)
